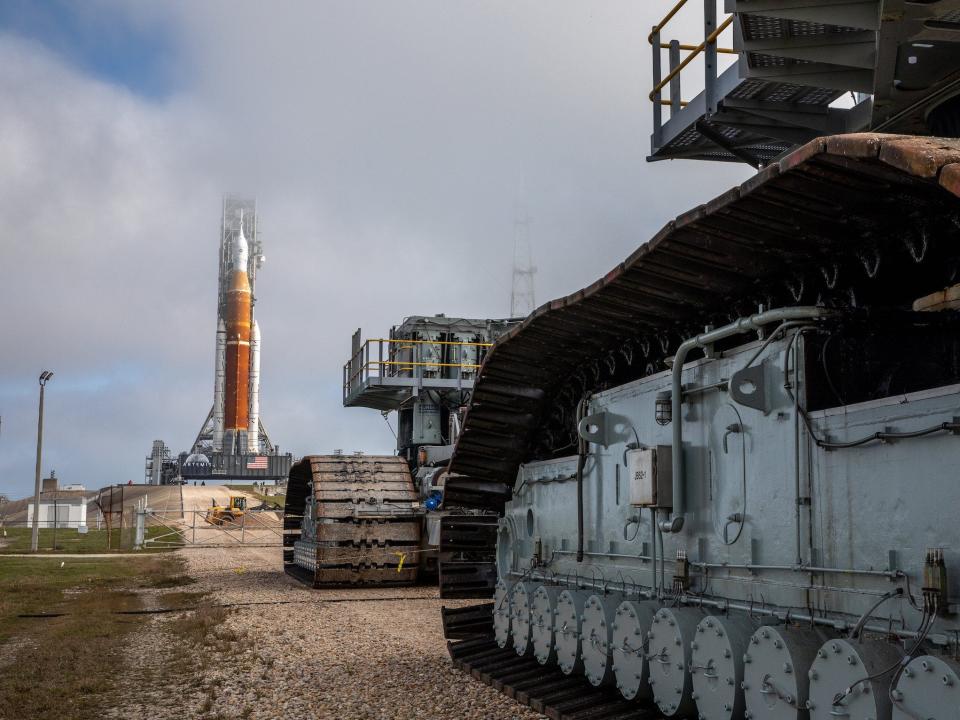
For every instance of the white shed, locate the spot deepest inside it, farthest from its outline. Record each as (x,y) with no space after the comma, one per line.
(61,509)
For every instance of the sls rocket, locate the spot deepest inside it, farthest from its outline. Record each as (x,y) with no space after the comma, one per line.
(236,411)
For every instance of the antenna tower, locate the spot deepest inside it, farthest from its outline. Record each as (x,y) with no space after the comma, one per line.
(522,300)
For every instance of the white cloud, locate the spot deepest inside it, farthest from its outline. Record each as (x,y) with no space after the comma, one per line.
(388,144)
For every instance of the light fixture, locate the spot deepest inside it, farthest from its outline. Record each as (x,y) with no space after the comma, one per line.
(663,408)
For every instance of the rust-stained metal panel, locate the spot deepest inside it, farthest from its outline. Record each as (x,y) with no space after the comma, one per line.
(814,227)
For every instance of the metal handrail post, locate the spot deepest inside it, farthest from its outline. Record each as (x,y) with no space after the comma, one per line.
(710,55)
(657,104)
(380,358)
(675,81)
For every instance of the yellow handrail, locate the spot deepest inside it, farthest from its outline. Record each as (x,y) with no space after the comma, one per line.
(418,364)
(683,103)
(427,342)
(683,46)
(711,38)
(659,26)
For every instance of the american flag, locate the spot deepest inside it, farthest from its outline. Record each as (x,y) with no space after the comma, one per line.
(257,463)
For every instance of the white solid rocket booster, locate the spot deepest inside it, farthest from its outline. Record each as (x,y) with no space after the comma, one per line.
(253,430)
(219,381)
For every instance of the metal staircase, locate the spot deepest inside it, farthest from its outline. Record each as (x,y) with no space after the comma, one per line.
(805,68)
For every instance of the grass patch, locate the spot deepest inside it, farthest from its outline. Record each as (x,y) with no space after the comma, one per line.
(67,667)
(15,540)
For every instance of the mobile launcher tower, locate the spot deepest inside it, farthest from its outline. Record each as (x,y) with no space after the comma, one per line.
(232,443)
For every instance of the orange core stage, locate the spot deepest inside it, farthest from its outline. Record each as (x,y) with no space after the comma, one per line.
(237,388)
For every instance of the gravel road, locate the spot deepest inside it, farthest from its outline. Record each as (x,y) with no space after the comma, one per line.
(379,654)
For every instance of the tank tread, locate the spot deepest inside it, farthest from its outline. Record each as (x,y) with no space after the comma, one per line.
(460,579)
(367,532)
(474,622)
(545,689)
(469,533)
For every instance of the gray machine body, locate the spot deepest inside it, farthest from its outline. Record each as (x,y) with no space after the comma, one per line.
(867,514)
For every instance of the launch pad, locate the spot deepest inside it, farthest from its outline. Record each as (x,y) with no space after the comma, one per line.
(232,443)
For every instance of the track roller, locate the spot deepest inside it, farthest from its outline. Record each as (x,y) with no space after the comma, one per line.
(717,667)
(541,623)
(848,679)
(927,685)
(567,629)
(628,648)
(596,631)
(775,681)
(669,647)
(501,614)
(521,602)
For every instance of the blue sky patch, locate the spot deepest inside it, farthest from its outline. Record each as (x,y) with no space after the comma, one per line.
(98,39)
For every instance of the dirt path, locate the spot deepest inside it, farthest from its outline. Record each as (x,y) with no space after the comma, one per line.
(379,655)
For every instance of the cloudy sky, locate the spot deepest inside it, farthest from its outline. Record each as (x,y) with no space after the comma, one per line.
(389,145)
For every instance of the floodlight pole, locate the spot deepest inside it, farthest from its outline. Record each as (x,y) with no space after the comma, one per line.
(35,535)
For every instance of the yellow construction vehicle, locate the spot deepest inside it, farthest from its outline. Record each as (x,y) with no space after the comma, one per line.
(232,513)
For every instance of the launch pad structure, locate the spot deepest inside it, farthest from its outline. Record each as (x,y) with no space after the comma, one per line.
(232,443)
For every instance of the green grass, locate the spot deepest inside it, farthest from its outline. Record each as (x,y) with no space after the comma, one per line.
(68,667)
(17,540)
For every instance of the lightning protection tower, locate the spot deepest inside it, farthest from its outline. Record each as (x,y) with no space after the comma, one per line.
(522,299)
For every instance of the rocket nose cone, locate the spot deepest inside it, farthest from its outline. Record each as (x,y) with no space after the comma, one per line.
(241,249)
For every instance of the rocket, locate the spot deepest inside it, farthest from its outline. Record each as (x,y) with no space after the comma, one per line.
(236,388)
(236,407)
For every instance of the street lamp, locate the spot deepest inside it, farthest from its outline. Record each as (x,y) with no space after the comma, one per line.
(35,536)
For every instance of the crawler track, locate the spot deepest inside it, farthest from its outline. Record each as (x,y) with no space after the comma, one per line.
(545,689)
(352,521)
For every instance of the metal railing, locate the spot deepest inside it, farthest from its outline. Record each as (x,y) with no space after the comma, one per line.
(417,359)
(708,47)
